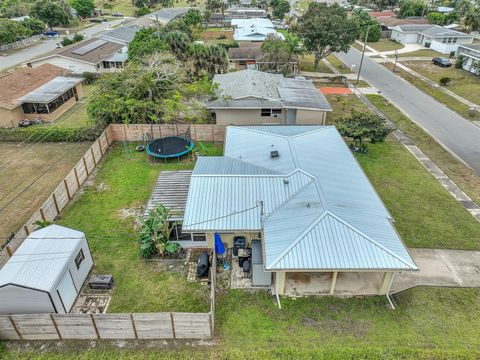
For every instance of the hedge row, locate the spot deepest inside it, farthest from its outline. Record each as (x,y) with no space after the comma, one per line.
(52,134)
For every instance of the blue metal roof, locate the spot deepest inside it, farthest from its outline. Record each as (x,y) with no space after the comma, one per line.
(319,209)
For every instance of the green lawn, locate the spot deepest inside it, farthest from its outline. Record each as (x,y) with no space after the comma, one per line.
(121,188)
(385,45)
(307,64)
(449,101)
(125,7)
(456,170)
(344,69)
(342,106)
(428,323)
(420,53)
(463,82)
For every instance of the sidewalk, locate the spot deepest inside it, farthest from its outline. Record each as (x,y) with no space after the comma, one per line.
(439,267)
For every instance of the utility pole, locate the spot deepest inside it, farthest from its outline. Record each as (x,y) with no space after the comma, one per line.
(363,54)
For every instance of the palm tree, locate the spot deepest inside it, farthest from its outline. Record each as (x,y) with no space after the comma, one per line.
(179,43)
(199,56)
(218,59)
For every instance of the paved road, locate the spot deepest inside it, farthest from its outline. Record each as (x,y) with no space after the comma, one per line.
(455,133)
(46,46)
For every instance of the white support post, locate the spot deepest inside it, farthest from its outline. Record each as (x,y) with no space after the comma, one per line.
(388,291)
(277,285)
(334,282)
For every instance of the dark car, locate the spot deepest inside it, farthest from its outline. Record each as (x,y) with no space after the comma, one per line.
(443,62)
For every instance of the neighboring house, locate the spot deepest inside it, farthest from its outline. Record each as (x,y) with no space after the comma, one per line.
(44,92)
(92,55)
(245,55)
(435,37)
(313,221)
(46,273)
(246,13)
(123,35)
(251,97)
(256,29)
(471,54)
(164,16)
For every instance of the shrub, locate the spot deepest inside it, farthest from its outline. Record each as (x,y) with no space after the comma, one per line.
(459,61)
(142,11)
(362,127)
(444,81)
(77,37)
(89,77)
(52,134)
(66,42)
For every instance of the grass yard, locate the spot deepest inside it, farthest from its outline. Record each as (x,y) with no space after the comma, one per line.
(428,323)
(20,165)
(419,53)
(385,45)
(125,7)
(463,83)
(340,66)
(307,64)
(457,171)
(107,211)
(342,106)
(425,214)
(447,100)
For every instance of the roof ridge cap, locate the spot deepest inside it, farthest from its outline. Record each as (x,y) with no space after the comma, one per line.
(258,131)
(368,238)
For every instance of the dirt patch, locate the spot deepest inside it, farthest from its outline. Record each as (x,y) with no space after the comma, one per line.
(300,278)
(340,327)
(92,304)
(213,35)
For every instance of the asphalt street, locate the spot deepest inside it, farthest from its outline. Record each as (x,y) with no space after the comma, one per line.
(458,135)
(43,47)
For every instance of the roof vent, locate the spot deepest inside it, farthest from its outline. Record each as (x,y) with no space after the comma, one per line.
(286,181)
(274,154)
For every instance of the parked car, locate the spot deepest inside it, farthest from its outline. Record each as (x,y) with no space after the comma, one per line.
(117,14)
(443,62)
(50,35)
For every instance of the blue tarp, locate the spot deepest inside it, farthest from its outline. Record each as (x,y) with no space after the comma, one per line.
(219,248)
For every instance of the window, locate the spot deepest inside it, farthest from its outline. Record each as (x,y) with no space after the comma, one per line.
(266,112)
(449,40)
(28,108)
(454,40)
(79,258)
(242,62)
(444,40)
(199,237)
(276,111)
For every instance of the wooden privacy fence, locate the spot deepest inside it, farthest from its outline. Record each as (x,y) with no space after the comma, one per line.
(141,132)
(106,326)
(63,193)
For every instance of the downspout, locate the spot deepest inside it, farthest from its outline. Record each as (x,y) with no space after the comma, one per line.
(276,290)
(388,291)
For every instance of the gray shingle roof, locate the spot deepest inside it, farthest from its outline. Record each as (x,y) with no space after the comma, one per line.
(255,89)
(169,14)
(320,212)
(51,89)
(436,31)
(124,34)
(414,27)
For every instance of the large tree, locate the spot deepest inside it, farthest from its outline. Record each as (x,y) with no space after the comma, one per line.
(276,55)
(366,22)
(325,29)
(51,12)
(84,7)
(413,8)
(11,31)
(280,8)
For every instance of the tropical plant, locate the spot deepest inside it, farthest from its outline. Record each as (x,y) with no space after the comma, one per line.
(325,29)
(444,81)
(11,31)
(178,42)
(459,61)
(36,26)
(410,8)
(155,233)
(362,127)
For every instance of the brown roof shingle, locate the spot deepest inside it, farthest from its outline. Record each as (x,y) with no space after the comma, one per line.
(246,51)
(20,82)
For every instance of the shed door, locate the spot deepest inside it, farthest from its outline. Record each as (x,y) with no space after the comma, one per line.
(67,292)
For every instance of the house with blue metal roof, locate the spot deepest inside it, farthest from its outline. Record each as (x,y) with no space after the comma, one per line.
(298,192)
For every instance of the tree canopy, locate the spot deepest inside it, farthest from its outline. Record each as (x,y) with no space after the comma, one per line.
(280,8)
(84,7)
(410,8)
(325,29)
(51,12)
(277,55)
(364,20)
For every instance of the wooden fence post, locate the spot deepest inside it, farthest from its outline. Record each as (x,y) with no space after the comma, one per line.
(100,147)
(15,327)
(76,177)
(42,215)
(9,250)
(173,326)
(25,227)
(95,326)
(85,165)
(133,326)
(93,156)
(106,135)
(67,189)
(56,203)
(56,327)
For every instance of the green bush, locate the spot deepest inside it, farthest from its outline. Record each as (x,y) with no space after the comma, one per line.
(89,77)
(52,134)
(444,81)
(66,42)
(142,11)
(459,61)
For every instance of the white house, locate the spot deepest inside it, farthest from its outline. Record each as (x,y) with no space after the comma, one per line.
(471,57)
(435,37)
(254,29)
(46,272)
(92,55)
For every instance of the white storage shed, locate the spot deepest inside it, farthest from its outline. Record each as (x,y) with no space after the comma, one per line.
(46,272)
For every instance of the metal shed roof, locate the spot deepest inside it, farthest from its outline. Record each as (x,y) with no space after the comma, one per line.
(322,213)
(51,89)
(42,258)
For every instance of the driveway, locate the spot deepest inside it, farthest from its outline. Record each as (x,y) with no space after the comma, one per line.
(438,267)
(43,47)
(456,134)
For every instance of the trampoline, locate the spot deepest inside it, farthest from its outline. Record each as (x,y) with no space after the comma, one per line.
(169,147)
